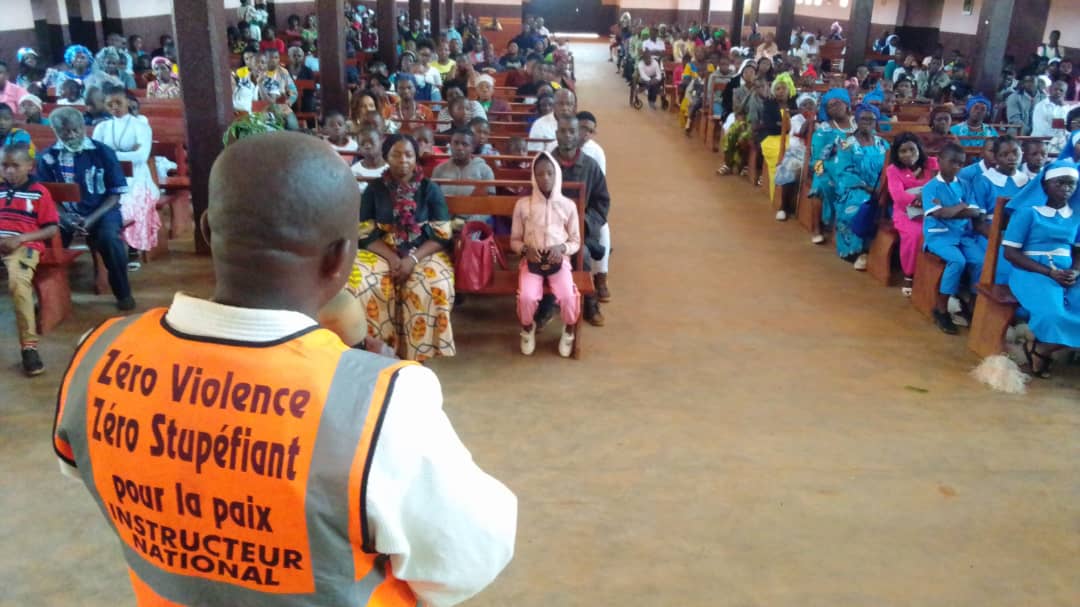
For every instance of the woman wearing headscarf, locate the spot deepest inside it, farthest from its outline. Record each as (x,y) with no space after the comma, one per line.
(79,63)
(31,106)
(810,46)
(30,72)
(1072,147)
(978,108)
(165,85)
(775,112)
(108,70)
(861,161)
(834,126)
(736,136)
(132,139)
(403,277)
(1042,243)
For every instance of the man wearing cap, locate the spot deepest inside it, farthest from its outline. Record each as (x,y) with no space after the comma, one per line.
(485,96)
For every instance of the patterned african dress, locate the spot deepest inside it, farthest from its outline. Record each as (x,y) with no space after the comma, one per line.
(860,166)
(414,317)
(963,130)
(824,153)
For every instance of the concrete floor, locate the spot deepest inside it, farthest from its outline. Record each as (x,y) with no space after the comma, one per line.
(757,424)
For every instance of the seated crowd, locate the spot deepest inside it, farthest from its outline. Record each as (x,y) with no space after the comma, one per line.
(905,145)
(453,110)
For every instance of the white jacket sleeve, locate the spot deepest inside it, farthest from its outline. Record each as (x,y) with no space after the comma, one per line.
(448,527)
(542,128)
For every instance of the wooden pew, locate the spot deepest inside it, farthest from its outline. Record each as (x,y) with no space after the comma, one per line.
(927,283)
(501,143)
(520,129)
(995,306)
(713,123)
(51,284)
(807,208)
(882,255)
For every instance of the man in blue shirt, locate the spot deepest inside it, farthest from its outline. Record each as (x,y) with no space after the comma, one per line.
(75,158)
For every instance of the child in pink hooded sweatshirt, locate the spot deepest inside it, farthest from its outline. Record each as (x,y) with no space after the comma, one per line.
(546,233)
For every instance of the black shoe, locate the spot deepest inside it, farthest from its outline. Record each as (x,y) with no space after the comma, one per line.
(944,321)
(126,304)
(544,312)
(31,362)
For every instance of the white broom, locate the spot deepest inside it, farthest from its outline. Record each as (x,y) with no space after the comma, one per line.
(1000,371)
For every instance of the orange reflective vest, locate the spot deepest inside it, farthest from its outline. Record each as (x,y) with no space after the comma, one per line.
(233,473)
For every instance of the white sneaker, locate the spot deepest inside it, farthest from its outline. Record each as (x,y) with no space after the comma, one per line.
(528,341)
(959,320)
(566,343)
(860,263)
(955,307)
(817,239)
(781,215)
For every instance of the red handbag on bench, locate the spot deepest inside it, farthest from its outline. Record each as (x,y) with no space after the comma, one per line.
(477,254)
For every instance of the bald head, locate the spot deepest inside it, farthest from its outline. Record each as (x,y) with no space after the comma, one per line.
(282,207)
(565,103)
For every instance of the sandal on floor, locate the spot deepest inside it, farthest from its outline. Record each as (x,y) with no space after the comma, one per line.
(744,172)
(724,170)
(1032,354)
(907,288)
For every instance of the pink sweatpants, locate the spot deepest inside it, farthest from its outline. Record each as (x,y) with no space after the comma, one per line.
(910,231)
(531,289)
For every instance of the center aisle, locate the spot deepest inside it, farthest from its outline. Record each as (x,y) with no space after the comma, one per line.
(744,430)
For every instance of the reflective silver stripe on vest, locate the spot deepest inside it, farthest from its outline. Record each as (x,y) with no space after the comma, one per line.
(326,499)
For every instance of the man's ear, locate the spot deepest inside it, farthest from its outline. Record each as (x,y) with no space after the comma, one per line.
(337,262)
(204,226)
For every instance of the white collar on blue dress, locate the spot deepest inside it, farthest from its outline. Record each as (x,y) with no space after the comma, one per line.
(999,179)
(1065,211)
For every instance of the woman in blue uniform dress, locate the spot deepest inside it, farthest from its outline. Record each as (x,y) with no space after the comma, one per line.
(862,158)
(835,124)
(1042,243)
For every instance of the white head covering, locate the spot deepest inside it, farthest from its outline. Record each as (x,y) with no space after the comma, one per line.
(485,78)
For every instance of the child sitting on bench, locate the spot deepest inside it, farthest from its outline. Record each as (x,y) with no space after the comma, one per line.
(1005,179)
(948,231)
(28,217)
(481,129)
(371,162)
(546,233)
(336,132)
(1034,157)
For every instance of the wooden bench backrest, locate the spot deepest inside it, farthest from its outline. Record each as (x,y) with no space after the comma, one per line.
(500,142)
(997,226)
(497,128)
(503,206)
(61,192)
